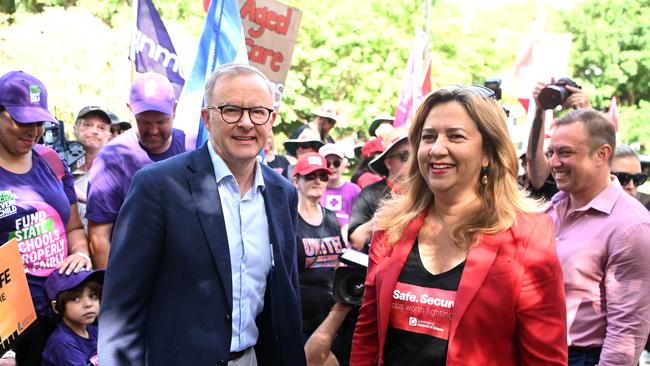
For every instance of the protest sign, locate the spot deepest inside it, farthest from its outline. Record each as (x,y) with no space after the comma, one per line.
(16,304)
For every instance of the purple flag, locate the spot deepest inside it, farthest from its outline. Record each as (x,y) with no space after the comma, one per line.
(151,48)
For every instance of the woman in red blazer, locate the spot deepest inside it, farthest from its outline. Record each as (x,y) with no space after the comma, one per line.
(463,269)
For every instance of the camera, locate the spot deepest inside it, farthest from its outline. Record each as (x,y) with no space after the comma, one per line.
(71,152)
(555,94)
(349,280)
(494,84)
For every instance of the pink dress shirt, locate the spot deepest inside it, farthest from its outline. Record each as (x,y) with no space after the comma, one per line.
(604,250)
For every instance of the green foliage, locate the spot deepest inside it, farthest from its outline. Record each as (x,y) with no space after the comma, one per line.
(611,57)
(612,48)
(634,125)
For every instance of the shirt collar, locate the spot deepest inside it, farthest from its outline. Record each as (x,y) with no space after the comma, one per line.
(222,171)
(603,202)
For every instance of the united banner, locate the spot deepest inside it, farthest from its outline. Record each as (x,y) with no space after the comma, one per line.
(222,42)
(151,48)
(16,307)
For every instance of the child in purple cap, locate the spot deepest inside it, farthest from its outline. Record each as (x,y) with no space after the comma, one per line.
(75,298)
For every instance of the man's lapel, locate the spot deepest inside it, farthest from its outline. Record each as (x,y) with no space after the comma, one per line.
(275,206)
(203,187)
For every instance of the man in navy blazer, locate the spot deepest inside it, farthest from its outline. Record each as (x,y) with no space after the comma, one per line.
(202,268)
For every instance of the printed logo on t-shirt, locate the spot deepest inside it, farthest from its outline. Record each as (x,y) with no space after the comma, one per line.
(7,204)
(422,310)
(334,202)
(322,252)
(93,361)
(41,238)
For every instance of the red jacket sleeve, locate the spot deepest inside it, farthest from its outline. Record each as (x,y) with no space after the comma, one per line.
(365,344)
(541,310)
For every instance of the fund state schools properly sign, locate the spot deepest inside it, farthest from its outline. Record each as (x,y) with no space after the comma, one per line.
(16,307)
(270,29)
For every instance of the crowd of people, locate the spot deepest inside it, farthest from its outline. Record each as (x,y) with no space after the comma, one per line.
(152,252)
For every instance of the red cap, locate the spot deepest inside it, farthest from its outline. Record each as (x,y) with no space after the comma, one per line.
(310,163)
(373,146)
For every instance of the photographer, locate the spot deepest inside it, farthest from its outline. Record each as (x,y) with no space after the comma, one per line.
(540,182)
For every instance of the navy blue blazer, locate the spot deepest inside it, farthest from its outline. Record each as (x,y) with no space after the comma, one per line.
(167,296)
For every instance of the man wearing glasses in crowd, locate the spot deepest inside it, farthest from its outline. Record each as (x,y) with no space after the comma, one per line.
(388,164)
(211,236)
(626,166)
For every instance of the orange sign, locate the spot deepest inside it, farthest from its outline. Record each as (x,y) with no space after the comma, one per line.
(270,29)
(16,304)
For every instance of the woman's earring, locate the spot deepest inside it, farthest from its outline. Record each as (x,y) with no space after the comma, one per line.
(484,178)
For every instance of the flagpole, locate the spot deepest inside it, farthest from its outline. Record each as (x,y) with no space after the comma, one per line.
(134,27)
(428,12)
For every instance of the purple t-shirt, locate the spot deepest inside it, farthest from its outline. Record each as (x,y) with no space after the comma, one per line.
(35,209)
(340,200)
(67,348)
(110,177)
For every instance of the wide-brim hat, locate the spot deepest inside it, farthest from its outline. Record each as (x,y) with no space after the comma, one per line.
(382,118)
(328,110)
(25,98)
(307,136)
(394,138)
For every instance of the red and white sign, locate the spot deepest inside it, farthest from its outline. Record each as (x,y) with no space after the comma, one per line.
(422,310)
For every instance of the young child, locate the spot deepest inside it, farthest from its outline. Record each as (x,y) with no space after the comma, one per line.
(76,298)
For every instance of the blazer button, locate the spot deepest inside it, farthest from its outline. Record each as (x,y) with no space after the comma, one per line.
(221,363)
(228,317)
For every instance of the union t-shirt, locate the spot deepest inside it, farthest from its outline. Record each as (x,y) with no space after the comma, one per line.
(35,209)
(67,348)
(319,249)
(421,312)
(340,200)
(113,169)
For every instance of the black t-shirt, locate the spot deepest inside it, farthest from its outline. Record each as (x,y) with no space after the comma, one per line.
(319,249)
(420,316)
(280,164)
(366,205)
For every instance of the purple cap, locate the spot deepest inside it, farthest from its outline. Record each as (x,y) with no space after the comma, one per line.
(58,282)
(152,92)
(25,98)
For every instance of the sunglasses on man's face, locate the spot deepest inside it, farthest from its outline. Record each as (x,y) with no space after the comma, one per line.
(335,163)
(322,176)
(624,178)
(403,156)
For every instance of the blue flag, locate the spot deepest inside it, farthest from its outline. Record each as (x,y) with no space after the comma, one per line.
(151,48)
(222,42)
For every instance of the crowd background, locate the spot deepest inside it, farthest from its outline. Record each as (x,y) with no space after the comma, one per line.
(359,68)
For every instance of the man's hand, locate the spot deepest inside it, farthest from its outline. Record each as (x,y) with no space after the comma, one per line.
(577,100)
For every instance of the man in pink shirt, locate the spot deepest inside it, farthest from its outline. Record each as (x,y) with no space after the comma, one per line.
(603,243)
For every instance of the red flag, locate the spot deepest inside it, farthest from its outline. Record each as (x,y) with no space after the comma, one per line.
(613,112)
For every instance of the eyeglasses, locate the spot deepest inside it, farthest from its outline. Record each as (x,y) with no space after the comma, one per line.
(322,176)
(478,89)
(624,178)
(336,164)
(232,114)
(306,145)
(403,156)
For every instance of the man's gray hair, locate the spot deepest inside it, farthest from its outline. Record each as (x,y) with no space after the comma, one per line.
(230,70)
(623,151)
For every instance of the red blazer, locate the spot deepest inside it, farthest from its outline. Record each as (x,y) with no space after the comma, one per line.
(509,307)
